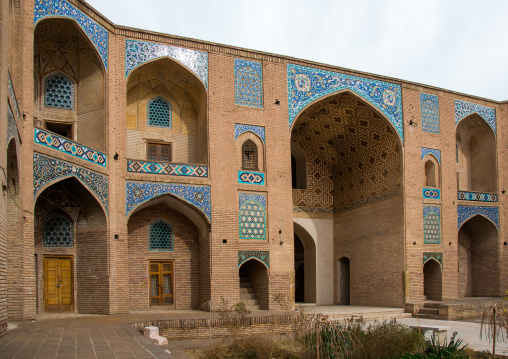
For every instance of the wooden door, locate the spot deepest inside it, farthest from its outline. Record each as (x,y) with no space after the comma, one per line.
(161,283)
(58,286)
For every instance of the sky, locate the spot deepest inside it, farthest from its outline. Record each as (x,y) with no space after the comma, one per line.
(458,45)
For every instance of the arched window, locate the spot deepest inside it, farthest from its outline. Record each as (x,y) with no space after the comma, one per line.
(249,156)
(160,234)
(57,230)
(159,113)
(59,92)
(430,174)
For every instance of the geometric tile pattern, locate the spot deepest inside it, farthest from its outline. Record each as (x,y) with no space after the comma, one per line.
(305,85)
(59,92)
(251,177)
(476,196)
(431,193)
(57,231)
(258,130)
(463,109)
(431,151)
(159,113)
(171,169)
(47,169)
(429,113)
(248,83)
(431,224)
(138,52)
(466,212)
(437,256)
(160,233)
(12,96)
(12,127)
(141,192)
(244,256)
(252,216)
(67,146)
(315,210)
(61,8)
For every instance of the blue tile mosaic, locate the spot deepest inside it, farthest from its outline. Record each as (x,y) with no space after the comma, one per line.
(138,52)
(429,109)
(12,97)
(476,196)
(251,177)
(71,148)
(248,83)
(431,224)
(172,169)
(160,234)
(431,151)
(48,169)
(466,212)
(463,109)
(252,216)
(258,130)
(96,33)
(437,256)
(431,193)
(12,127)
(59,92)
(305,85)
(159,113)
(263,257)
(141,192)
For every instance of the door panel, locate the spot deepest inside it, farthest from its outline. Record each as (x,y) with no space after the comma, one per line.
(58,286)
(161,283)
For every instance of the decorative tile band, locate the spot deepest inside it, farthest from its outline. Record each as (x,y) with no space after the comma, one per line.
(12,96)
(141,192)
(476,196)
(431,224)
(463,109)
(48,169)
(315,210)
(464,213)
(251,177)
(368,200)
(171,169)
(431,193)
(429,109)
(67,146)
(248,83)
(139,52)
(430,151)
(305,85)
(437,256)
(244,256)
(96,33)
(258,130)
(252,216)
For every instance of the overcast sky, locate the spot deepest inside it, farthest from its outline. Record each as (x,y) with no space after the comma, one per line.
(459,45)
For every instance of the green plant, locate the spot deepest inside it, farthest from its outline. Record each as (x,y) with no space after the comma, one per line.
(494,324)
(445,349)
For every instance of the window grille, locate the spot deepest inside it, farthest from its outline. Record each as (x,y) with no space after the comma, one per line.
(249,156)
(160,236)
(59,92)
(57,231)
(159,152)
(159,113)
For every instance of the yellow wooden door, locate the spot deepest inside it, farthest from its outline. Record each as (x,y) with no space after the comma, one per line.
(58,283)
(161,283)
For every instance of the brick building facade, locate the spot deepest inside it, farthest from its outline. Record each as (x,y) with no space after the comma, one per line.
(145,170)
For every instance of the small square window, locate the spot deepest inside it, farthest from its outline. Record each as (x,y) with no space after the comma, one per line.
(160,152)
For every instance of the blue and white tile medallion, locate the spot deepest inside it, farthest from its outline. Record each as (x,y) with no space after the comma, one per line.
(431,151)
(96,33)
(437,256)
(252,216)
(141,192)
(138,52)
(476,196)
(263,257)
(247,177)
(47,169)
(429,109)
(258,130)
(306,84)
(431,224)
(431,193)
(463,109)
(171,169)
(248,83)
(464,213)
(67,146)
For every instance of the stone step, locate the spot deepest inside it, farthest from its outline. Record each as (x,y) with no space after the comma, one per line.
(431,305)
(429,311)
(249,302)
(428,316)
(247,296)
(247,290)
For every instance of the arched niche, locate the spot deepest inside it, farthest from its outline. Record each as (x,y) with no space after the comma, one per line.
(344,281)
(253,274)
(298,167)
(432,280)
(431,172)
(240,143)
(305,259)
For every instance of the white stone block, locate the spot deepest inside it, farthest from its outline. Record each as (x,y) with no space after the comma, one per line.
(151,332)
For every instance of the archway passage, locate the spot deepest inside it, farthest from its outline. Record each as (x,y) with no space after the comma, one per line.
(478,259)
(254,289)
(354,176)
(344,284)
(299,270)
(305,266)
(432,280)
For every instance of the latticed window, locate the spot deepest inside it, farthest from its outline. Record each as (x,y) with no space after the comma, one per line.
(57,231)
(159,113)
(159,152)
(249,156)
(59,92)
(160,236)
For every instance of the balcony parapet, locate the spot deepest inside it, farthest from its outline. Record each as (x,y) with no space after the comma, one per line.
(165,168)
(476,196)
